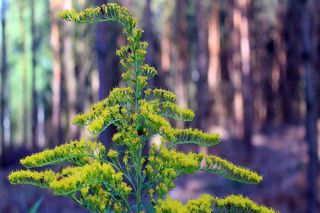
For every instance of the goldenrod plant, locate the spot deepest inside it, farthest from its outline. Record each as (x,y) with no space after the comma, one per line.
(128,181)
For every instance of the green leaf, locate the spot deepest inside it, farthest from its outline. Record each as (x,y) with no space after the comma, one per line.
(36,206)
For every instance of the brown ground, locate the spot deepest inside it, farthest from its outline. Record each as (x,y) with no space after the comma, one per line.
(280,156)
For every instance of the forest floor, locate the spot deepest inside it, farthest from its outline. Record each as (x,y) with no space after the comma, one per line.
(279,155)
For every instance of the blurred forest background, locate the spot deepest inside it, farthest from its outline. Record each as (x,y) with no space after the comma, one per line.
(250,69)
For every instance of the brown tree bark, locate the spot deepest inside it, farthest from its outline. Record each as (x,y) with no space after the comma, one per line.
(70,76)
(202,66)
(246,75)
(276,80)
(292,94)
(241,73)
(149,35)
(56,131)
(234,67)
(34,116)
(181,76)
(311,127)
(214,69)
(106,44)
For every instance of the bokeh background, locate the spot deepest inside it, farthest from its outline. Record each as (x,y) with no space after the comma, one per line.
(250,69)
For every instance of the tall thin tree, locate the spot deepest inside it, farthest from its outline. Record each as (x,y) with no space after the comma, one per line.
(69,68)
(34,78)
(56,132)
(202,64)
(246,74)
(23,34)
(182,74)
(106,45)
(311,129)
(202,67)
(4,113)
(214,68)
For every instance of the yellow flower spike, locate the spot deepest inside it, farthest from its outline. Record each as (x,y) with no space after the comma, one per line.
(207,203)
(77,152)
(112,153)
(40,179)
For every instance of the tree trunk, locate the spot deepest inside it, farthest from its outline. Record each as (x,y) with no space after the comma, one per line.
(234,67)
(150,36)
(4,113)
(240,73)
(106,45)
(56,132)
(25,121)
(311,129)
(214,70)
(181,62)
(202,67)
(70,76)
(246,75)
(181,76)
(293,95)
(34,116)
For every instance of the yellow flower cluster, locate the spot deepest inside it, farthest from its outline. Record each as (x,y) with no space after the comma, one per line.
(77,152)
(95,198)
(105,111)
(95,173)
(40,179)
(240,203)
(164,166)
(228,170)
(194,136)
(107,117)
(138,112)
(159,125)
(127,137)
(164,95)
(112,153)
(209,204)
(109,12)
(171,110)
(149,71)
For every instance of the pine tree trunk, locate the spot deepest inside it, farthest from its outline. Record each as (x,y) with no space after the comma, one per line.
(70,77)
(25,123)
(246,75)
(292,96)
(4,113)
(241,74)
(311,129)
(181,62)
(34,126)
(234,67)
(150,36)
(214,71)
(181,76)
(202,67)
(106,45)
(56,131)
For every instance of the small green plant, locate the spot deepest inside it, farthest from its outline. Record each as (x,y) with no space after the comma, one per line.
(128,181)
